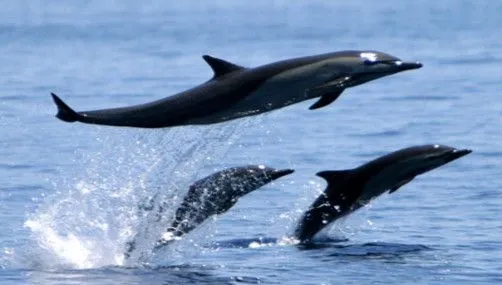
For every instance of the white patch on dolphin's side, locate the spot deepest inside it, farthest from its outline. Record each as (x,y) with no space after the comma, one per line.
(371,56)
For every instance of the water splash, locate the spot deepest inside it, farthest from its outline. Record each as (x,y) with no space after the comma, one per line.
(88,221)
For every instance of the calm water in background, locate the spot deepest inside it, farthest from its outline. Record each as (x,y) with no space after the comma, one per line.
(69,193)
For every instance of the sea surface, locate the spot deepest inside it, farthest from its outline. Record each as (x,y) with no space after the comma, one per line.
(71,194)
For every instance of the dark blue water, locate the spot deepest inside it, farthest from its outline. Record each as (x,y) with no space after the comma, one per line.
(69,193)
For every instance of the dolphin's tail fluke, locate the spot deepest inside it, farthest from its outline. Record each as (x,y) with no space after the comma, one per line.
(65,113)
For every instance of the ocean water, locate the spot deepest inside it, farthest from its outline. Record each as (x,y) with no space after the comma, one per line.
(70,193)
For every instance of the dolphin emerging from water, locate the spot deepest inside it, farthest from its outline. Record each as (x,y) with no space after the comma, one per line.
(214,195)
(349,190)
(236,91)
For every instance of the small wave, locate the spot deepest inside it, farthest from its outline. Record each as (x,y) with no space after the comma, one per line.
(375,249)
(13,98)
(243,243)
(246,279)
(16,166)
(176,274)
(270,241)
(479,59)
(328,246)
(422,98)
(385,133)
(489,153)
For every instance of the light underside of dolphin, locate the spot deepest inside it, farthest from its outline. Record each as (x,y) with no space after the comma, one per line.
(349,190)
(235,91)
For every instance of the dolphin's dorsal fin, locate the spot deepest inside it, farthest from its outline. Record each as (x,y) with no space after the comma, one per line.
(336,177)
(221,67)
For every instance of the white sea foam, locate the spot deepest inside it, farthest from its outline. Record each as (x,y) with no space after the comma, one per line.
(89,221)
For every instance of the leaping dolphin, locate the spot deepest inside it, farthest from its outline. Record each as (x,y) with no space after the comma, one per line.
(235,91)
(349,190)
(214,195)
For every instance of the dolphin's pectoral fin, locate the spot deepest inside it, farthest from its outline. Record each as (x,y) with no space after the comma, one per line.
(326,100)
(221,67)
(328,91)
(399,185)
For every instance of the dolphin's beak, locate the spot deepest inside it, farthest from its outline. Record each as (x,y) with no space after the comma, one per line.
(278,173)
(402,66)
(458,153)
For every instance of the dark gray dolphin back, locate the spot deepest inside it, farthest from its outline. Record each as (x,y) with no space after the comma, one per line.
(218,192)
(213,195)
(229,85)
(349,190)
